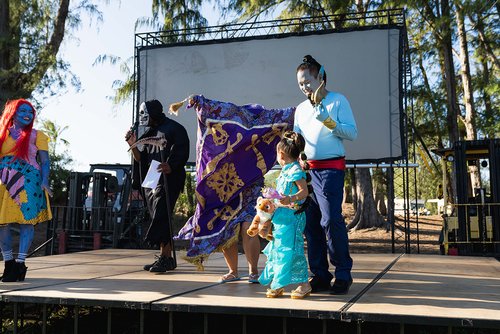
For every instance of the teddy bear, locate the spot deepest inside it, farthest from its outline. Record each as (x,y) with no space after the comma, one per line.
(261,223)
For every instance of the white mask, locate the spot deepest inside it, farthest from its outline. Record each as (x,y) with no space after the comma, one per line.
(143,115)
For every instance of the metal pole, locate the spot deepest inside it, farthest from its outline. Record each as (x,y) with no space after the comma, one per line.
(76,312)
(44,319)
(390,202)
(109,322)
(170,210)
(170,323)
(15,318)
(39,247)
(141,321)
(22,317)
(416,208)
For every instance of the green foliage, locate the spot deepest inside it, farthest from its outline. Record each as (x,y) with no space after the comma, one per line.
(173,16)
(180,14)
(123,88)
(185,205)
(31,33)
(60,162)
(258,9)
(59,177)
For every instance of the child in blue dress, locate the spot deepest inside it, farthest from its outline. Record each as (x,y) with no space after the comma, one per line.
(286,263)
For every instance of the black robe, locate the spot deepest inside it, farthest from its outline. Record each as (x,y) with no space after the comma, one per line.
(176,153)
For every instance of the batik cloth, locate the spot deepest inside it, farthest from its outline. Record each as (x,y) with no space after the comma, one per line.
(22,199)
(235,148)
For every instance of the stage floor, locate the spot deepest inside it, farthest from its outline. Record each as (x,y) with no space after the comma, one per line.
(393,288)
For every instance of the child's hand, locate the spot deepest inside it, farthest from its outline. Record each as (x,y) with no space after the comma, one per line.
(285,200)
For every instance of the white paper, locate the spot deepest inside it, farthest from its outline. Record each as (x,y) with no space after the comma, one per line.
(153,176)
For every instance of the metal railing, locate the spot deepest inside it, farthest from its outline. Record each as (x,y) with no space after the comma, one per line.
(84,228)
(252,29)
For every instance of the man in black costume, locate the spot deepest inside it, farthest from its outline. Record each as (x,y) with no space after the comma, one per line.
(172,157)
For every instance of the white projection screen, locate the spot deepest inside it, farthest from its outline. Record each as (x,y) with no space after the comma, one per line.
(364,65)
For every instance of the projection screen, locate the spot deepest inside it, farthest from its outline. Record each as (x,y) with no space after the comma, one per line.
(364,65)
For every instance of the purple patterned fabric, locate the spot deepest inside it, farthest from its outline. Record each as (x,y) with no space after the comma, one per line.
(236,146)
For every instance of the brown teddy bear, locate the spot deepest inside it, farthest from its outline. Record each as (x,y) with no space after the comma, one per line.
(261,223)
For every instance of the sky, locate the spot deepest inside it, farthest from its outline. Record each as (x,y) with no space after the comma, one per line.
(95,127)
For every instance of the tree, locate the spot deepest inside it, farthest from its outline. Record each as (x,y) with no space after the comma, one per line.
(171,16)
(469,120)
(445,30)
(379,190)
(124,89)
(31,34)
(175,16)
(366,215)
(485,34)
(60,162)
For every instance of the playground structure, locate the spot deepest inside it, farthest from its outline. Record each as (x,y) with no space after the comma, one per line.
(471,221)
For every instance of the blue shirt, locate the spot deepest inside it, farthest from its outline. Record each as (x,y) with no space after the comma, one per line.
(321,142)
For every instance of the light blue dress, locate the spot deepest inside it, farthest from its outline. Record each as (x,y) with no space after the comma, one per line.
(286,263)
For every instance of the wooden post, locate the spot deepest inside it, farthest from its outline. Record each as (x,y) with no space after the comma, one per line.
(62,242)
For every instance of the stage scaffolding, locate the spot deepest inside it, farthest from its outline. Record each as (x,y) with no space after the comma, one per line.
(400,172)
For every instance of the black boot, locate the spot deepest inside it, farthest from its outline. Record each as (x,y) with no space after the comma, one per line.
(21,270)
(10,273)
(162,265)
(148,266)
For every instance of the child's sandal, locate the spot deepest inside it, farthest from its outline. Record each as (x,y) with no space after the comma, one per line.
(300,293)
(272,293)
